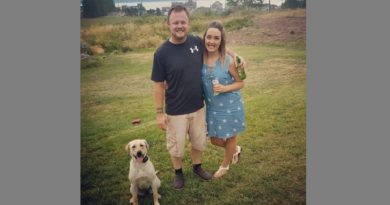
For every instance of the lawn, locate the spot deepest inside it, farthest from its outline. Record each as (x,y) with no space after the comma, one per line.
(272,169)
(116,88)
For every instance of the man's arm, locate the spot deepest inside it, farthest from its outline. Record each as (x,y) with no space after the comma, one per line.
(233,55)
(159,97)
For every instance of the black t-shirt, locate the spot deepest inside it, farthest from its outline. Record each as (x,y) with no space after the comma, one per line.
(180,66)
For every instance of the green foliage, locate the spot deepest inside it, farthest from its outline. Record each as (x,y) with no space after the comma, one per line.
(198,27)
(227,12)
(293,4)
(135,11)
(113,41)
(91,62)
(124,33)
(236,24)
(232,3)
(253,3)
(96,8)
(245,3)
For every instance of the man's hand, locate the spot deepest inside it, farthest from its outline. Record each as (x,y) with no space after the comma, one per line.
(233,56)
(242,63)
(161,121)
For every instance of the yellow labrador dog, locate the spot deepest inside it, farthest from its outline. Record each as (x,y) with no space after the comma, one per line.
(142,175)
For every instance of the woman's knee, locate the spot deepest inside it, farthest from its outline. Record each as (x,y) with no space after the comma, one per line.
(218,142)
(231,139)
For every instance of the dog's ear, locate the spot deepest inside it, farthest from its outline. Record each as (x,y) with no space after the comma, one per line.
(127,148)
(146,144)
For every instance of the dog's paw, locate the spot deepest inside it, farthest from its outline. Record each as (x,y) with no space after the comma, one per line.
(133,201)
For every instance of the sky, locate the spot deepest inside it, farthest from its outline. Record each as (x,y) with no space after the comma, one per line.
(153,4)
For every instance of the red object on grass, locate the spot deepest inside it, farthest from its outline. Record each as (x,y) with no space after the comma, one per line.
(136,121)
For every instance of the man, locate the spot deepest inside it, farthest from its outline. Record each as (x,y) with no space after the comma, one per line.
(177,81)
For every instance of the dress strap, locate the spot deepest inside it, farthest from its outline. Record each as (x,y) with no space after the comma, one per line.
(225,65)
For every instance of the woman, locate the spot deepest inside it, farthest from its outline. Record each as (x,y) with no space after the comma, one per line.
(221,85)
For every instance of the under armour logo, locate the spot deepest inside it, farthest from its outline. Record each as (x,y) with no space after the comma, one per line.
(194,49)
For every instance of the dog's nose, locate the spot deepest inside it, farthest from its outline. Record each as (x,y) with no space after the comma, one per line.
(139,154)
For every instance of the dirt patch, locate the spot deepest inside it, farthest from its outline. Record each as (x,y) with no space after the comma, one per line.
(275,27)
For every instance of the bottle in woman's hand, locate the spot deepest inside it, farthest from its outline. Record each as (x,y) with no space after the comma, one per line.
(240,69)
(215,82)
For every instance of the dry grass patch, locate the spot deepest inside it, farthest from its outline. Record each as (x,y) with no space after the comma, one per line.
(286,26)
(284,14)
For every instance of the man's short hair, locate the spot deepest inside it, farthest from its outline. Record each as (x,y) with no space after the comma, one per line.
(178,8)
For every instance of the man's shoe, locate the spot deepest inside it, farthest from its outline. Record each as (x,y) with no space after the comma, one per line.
(202,173)
(178,182)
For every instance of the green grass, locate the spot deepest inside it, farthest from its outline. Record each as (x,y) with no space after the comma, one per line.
(236,24)
(272,169)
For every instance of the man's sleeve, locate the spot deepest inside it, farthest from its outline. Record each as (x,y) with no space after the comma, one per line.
(158,70)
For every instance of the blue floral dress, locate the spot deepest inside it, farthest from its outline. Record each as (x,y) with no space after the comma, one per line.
(225,111)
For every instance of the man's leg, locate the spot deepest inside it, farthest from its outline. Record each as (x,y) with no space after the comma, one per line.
(196,156)
(176,132)
(198,138)
(176,162)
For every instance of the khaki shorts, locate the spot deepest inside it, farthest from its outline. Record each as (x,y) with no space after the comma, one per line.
(193,124)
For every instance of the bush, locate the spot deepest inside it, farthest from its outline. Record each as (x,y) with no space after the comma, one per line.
(91,62)
(236,24)
(85,48)
(198,27)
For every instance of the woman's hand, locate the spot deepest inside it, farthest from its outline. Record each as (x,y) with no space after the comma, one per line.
(219,88)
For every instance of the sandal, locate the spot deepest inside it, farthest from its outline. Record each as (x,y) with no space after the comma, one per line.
(236,156)
(221,171)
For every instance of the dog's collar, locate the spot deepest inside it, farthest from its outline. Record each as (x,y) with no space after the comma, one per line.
(146,158)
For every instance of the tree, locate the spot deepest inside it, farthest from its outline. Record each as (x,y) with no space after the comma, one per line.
(158,12)
(232,3)
(140,9)
(253,3)
(292,4)
(245,3)
(302,4)
(96,8)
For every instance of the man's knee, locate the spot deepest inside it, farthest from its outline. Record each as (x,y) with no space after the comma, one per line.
(174,150)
